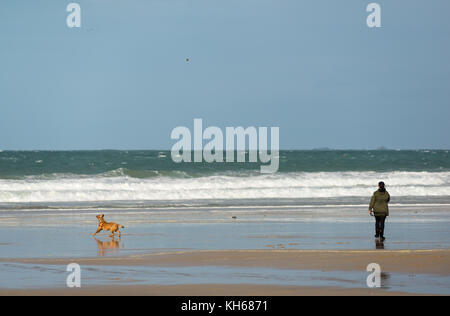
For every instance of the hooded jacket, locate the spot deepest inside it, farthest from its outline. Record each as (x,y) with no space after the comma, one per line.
(379,203)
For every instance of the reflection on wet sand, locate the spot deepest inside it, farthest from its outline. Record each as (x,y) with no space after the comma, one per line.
(385,277)
(379,244)
(107,246)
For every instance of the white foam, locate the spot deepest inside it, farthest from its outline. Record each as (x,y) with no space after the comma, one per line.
(287,185)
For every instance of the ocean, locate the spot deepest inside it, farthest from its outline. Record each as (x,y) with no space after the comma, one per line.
(150,179)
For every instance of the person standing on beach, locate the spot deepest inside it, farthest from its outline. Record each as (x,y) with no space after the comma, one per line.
(379,208)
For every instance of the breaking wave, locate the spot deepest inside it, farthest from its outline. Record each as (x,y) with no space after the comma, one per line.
(128,185)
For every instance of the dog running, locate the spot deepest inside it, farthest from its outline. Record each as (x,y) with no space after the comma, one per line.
(112,227)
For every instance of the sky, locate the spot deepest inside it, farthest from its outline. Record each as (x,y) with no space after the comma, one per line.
(313,68)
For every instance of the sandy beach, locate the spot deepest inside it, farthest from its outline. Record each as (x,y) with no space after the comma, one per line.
(204,290)
(213,251)
(430,262)
(405,261)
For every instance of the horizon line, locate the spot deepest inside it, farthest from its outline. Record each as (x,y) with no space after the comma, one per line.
(287,149)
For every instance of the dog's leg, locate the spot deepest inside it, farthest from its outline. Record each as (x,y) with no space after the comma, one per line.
(98,230)
(112,233)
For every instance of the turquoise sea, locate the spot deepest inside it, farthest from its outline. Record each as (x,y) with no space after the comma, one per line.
(39,179)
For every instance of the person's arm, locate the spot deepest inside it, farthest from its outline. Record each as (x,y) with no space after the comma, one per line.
(388,200)
(372,204)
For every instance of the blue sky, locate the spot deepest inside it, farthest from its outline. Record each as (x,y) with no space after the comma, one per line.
(312,68)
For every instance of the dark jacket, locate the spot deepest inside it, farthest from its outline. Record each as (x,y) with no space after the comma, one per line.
(379,203)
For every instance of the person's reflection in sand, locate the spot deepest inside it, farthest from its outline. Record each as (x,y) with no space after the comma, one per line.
(385,277)
(379,244)
(107,246)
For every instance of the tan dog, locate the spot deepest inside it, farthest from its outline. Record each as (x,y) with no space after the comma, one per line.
(102,225)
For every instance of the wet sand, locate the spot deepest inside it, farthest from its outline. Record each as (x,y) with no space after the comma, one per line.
(426,262)
(405,261)
(261,252)
(204,290)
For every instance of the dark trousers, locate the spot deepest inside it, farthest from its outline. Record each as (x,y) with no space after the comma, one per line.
(379,225)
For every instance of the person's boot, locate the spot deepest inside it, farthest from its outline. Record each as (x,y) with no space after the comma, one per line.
(377,232)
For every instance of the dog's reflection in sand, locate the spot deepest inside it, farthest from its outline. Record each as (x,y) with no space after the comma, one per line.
(107,247)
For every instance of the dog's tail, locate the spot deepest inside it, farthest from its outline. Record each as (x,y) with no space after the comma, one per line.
(121,226)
